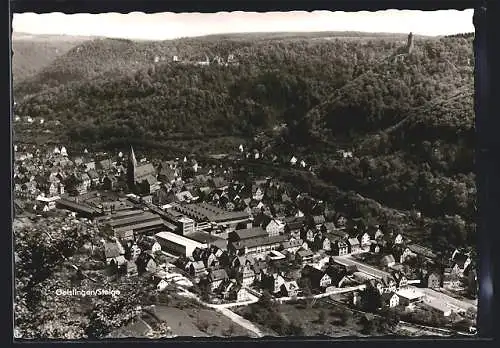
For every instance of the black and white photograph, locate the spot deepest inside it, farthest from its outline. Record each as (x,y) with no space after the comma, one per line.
(244,174)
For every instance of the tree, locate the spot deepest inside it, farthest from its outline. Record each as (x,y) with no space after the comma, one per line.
(368,326)
(322,317)
(371,300)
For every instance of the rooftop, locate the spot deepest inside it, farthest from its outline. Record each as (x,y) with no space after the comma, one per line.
(148,224)
(410,294)
(175,238)
(205,211)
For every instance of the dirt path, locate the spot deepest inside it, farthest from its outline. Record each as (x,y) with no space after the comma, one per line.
(241,321)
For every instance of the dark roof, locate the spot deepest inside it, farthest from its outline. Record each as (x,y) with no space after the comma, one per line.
(292,243)
(76,206)
(387,259)
(205,211)
(198,265)
(460,258)
(336,273)
(218,274)
(132,219)
(137,226)
(305,253)
(313,273)
(204,237)
(106,164)
(420,250)
(386,296)
(93,174)
(111,249)
(144,170)
(253,242)
(319,219)
(247,233)
(340,244)
(353,241)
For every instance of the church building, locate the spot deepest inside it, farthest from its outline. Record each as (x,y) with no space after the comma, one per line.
(141,178)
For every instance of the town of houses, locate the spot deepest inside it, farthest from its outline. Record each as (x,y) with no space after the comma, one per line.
(192,224)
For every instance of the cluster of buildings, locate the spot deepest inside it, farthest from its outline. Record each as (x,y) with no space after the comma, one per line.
(214,60)
(229,237)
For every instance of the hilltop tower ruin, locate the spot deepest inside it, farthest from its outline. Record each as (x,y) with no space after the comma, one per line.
(409,44)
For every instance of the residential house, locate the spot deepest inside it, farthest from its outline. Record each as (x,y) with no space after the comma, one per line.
(326,244)
(162,285)
(238,293)
(150,184)
(94,178)
(328,227)
(401,280)
(240,261)
(257,193)
(318,221)
(451,279)
(260,269)
(197,269)
(247,276)
(307,235)
(274,227)
(272,282)
(433,280)
(146,263)
(338,276)
(304,255)
(377,284)
(86,181)
(424,252)
(387,261)
(390,299)
(375,247)
(130,269)
(292,245)
(398,240)
(216,277)
(460,263)
(294,225)
(353,244)
(340,248)
(341,221)
(388,283)
(148,243)
(114,253)
(409,297)
(376,233)
(289,289)
(109,182)
(319,279)
(364,240)
(212,261)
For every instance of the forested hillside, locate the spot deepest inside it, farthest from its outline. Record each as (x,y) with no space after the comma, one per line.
(408,118)
(32,53)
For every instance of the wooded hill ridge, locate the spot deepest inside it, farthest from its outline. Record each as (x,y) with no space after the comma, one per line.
(407,117)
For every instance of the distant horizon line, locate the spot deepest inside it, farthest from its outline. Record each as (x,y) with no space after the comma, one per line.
(238,33)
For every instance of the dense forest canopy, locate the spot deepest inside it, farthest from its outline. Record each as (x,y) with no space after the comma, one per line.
(407,117)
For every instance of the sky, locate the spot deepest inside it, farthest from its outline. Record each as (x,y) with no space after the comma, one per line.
(164,26)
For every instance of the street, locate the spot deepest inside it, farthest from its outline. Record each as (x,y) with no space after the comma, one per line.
(362,267)
(447,300)
(434,295)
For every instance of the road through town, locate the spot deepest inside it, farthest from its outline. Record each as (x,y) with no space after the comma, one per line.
(445,299)
(362,267)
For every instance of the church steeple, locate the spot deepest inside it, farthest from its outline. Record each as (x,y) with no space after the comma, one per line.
(131,168)
(132,157)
